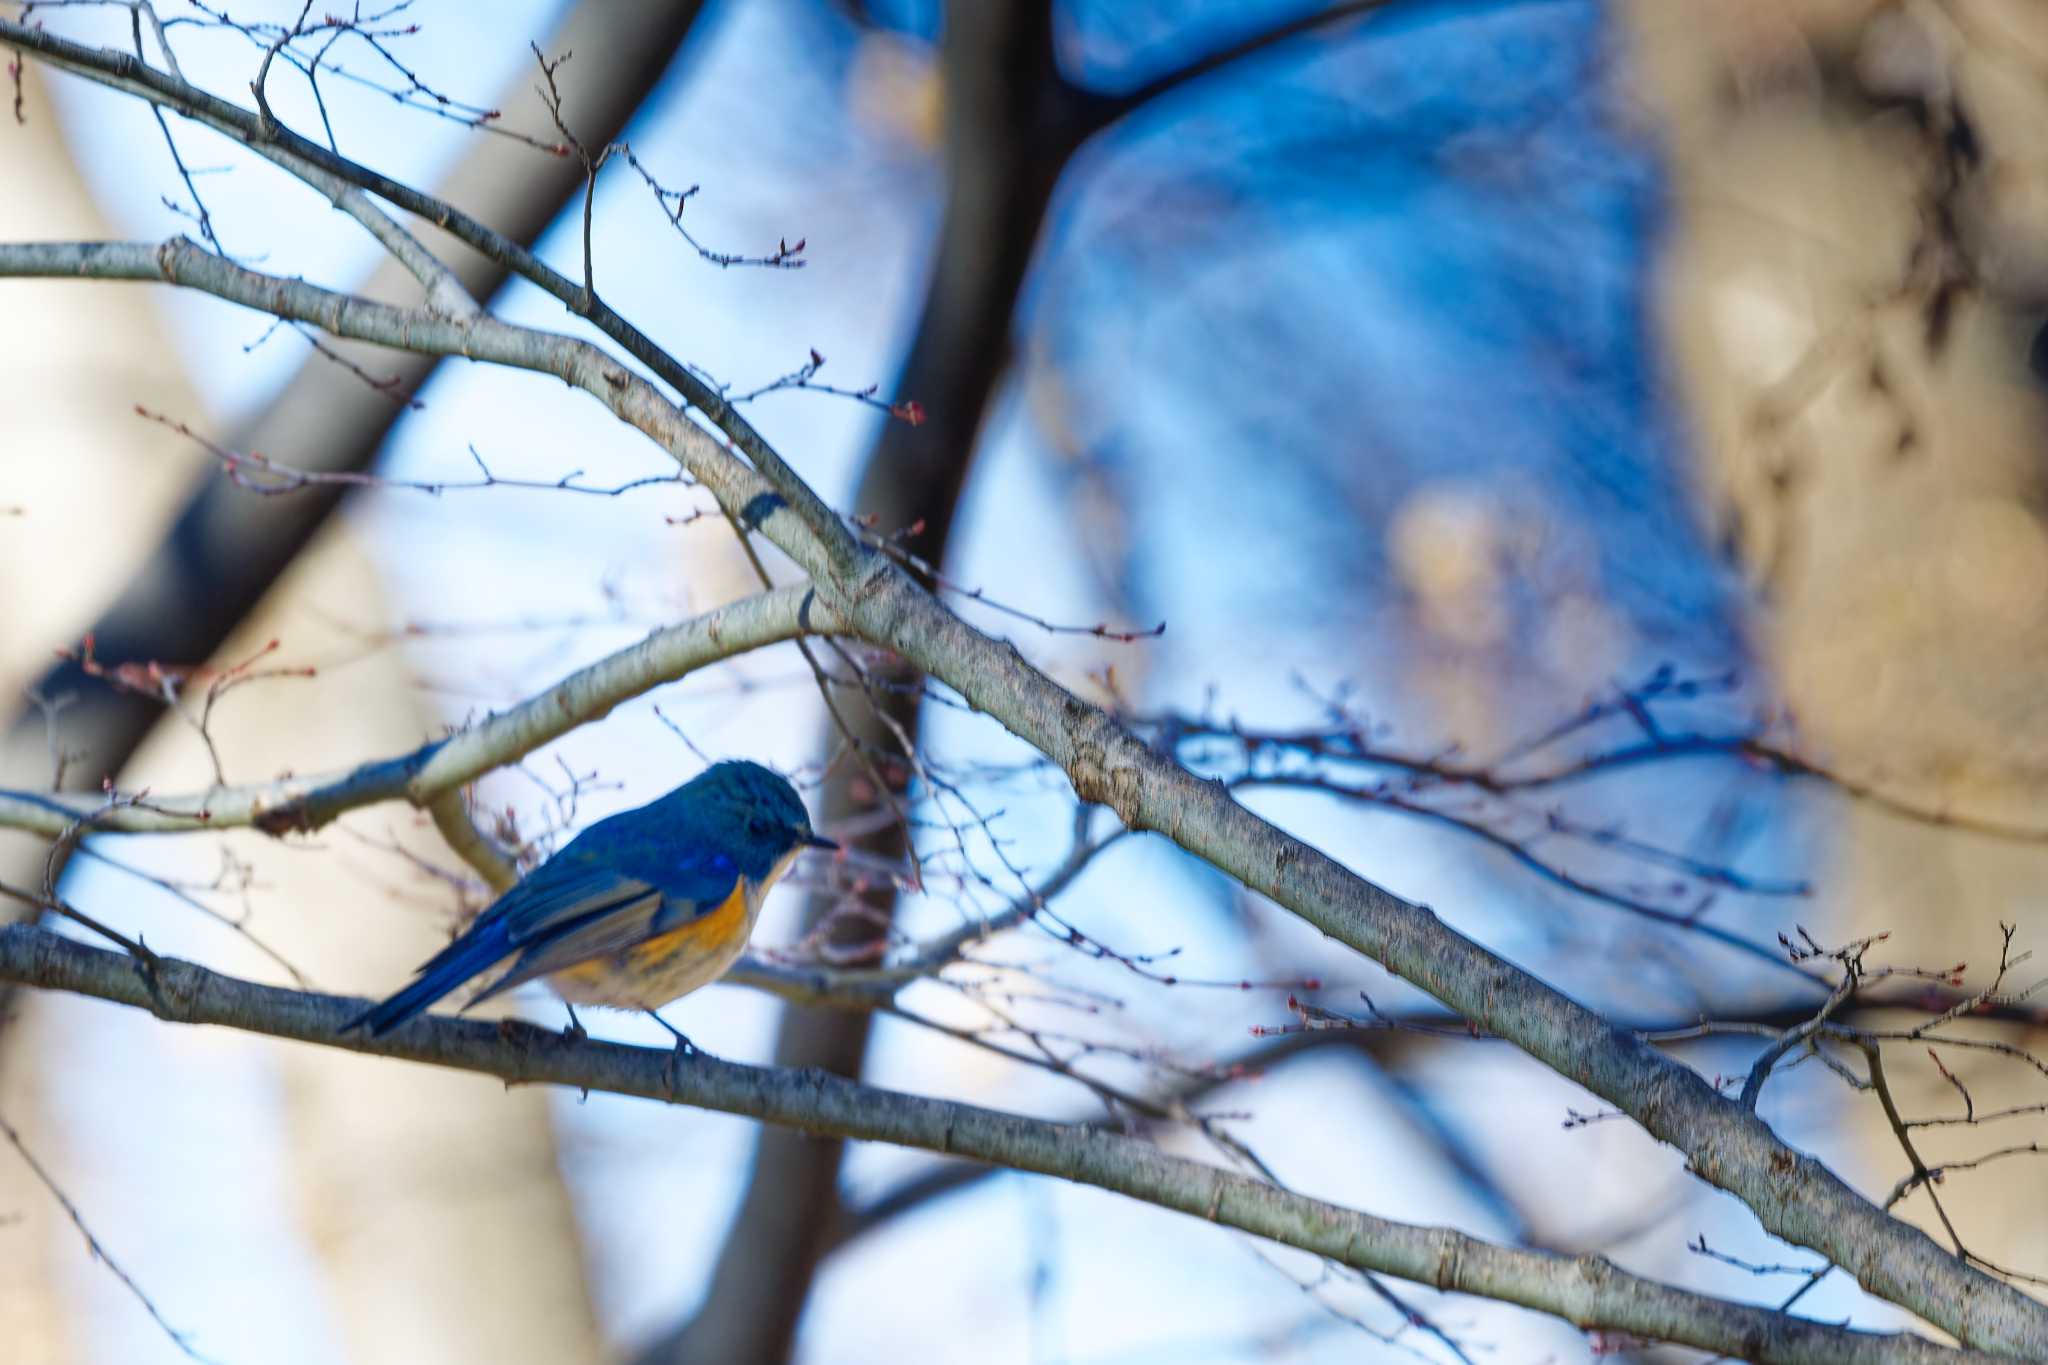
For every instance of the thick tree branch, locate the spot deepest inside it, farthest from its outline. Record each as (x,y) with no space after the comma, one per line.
(1588,1291)
(740,490)
(1414,1038)
(1795,1196)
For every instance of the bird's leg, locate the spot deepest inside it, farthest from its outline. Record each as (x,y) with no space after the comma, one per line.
(575,1033)
(684,1047)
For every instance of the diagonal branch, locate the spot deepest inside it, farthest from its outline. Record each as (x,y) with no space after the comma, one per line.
(637,402)
(1588,1291)
(1795,1196)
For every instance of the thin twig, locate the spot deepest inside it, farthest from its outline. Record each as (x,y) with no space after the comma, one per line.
(181,1340)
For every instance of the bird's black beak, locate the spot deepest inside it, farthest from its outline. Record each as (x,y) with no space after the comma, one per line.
(819,841)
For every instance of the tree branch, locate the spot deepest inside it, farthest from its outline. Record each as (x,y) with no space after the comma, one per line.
(472,845)
(1105,110)
(632,398)
(267,137)
(1795,1196)
(434,769)
(1588,1291)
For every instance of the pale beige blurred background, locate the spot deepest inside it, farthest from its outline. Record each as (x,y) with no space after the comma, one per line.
(1855,275)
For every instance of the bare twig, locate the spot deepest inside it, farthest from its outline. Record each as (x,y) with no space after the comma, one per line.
(181,1340)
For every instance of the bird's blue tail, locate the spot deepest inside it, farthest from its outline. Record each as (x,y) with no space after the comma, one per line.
(476,950)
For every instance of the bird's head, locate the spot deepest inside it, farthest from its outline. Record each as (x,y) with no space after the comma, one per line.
(756,808)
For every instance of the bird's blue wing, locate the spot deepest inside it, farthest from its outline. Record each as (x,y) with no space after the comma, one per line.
(688,871)
(561,894)
(601,897)
(610,927)
(608,890)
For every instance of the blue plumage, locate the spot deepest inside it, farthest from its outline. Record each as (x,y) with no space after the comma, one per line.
(625,882)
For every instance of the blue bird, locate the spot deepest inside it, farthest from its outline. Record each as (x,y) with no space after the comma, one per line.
(640,909)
